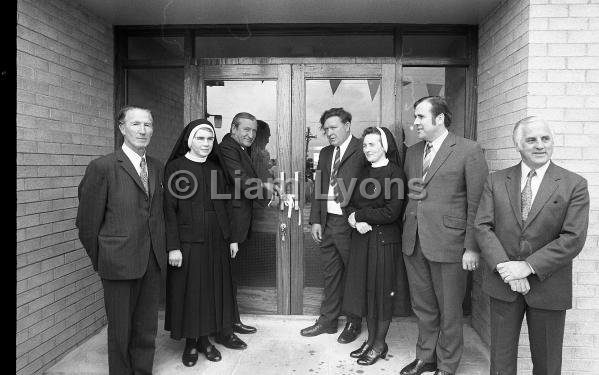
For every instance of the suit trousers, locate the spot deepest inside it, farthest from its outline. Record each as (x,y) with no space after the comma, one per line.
(334,252)
(437,291)
(545,332)
(132,312)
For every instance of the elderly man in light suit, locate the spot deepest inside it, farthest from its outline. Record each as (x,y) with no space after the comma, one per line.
(445,174)
(531,222)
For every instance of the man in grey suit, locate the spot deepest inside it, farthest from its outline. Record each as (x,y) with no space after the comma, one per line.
(532,221)
(121,227)
(445,175)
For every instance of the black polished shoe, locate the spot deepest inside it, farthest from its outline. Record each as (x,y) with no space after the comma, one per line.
(190,356)
(243,329)
(211,353)
(443,372)
(417,367)
(317,329)
(231,341)
(350,332)
(373,355)
(360,351)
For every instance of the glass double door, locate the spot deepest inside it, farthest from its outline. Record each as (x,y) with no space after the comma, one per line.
(278,268)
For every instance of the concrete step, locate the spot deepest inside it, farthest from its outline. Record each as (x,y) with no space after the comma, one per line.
(277,348)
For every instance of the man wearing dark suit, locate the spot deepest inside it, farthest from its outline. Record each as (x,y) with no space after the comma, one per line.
(531,222)
(121,227)
(338,164)
(445,174)
(235,150)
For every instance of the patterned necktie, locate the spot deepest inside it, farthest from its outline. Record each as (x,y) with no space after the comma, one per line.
(333,180)
(526,195)
(144,174)
(428,158)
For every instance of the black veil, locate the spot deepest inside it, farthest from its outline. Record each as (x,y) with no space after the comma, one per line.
(181,148)
(393,153)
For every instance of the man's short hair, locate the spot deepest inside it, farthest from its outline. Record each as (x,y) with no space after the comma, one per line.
(525,121)
(438,106)
(237,119)
(343,115)
(120,117)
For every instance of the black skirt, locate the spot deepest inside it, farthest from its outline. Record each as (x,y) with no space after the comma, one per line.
(199,294)
(370,284)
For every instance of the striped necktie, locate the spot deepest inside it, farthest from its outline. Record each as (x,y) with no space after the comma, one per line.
(333,181)
(526,195)
(428,158)
(144,174)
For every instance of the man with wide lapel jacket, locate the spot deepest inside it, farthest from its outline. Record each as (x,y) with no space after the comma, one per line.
(235,150)
(121,227)
(328,218)
(528,242)
(438,233)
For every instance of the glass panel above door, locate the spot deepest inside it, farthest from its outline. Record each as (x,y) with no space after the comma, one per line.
(155,48)
(418,82)
(442,46)
(294,46)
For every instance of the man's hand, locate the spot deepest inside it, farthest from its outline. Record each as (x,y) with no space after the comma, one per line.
(470,260)
(233,248)
(316,232)
(363,227)
(513,270)
(175,258)
(352,220)
(520,285)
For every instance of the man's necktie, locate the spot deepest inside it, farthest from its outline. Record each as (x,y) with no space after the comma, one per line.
(333,180)
(526,195)
(428,158)
(144,174)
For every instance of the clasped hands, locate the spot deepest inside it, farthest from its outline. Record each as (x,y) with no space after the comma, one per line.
(515,273)
(361,226)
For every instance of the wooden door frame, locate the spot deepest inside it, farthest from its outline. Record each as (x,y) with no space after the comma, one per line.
(195,107)
(300,73)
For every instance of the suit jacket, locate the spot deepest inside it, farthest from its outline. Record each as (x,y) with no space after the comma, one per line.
(240,168)
(349,167)
(551,237)
(185,221)
(441,210)
(118,223)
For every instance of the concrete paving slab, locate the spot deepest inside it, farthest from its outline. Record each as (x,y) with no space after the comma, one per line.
(277,348)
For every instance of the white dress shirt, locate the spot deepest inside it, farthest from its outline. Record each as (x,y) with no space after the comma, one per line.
(436,145)
(332,206)
(134,157)
(535,181)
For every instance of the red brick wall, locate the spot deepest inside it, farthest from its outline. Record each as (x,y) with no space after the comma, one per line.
(64,120)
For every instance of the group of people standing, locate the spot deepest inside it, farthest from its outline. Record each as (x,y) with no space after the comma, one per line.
(430,214)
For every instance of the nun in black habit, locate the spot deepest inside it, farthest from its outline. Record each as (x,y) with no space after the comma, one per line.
(199,294)
(375,279)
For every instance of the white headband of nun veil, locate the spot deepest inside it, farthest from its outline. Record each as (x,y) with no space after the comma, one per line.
(193,132)
(383,139)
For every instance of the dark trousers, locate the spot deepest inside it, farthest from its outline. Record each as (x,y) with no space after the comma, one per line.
(132,312)
(545,332)
(436,292)
(234,283)
(334,250)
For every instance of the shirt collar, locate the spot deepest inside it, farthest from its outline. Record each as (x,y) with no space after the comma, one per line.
(381,163)
(344,146)
(132,155)
(540,171)
(439,141)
